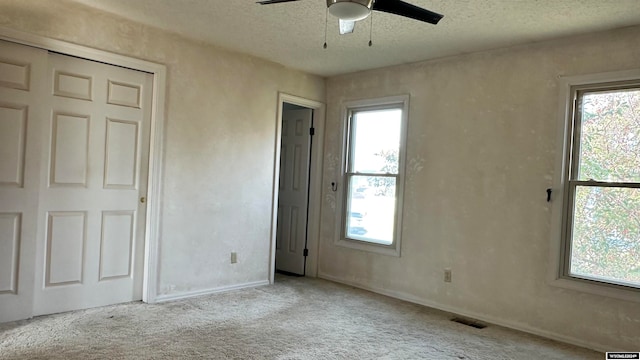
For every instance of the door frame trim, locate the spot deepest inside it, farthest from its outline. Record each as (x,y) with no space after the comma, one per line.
(315,182)
(156,136)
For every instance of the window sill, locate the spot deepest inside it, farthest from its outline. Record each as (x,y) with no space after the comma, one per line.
(390,250)
(597,288)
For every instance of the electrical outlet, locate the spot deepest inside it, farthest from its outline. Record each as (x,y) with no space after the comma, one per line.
(234,257)
(447,275)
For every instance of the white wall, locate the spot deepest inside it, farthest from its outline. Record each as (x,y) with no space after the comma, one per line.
(219,146)
(481,152)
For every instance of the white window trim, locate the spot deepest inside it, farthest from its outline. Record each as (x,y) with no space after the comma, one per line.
(556,276)
(394,248)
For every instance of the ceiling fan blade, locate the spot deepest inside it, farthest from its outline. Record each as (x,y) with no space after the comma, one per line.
(346,27)
(269,2)
(407,10)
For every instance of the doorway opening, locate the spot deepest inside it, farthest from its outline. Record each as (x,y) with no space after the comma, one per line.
(293,196)
(296,201)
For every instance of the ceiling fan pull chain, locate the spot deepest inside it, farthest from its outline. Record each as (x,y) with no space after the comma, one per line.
(371,30)
(326,22)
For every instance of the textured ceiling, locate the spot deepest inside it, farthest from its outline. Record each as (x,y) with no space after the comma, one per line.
(292,33)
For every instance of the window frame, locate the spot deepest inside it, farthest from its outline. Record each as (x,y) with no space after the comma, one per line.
(400,102)
(564,186)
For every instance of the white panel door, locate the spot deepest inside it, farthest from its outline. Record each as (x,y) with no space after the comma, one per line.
(22,113)
(291,235)
(91,217)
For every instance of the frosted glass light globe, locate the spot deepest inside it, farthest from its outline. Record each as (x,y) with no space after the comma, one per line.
(350,10)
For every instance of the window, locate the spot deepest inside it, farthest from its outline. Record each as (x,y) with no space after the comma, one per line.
(373,174)
(601,220)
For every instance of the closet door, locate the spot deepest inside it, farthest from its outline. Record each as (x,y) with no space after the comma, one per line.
(90,248)
(23,112)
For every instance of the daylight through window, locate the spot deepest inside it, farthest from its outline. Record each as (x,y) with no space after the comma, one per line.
(373,174)
(602,211)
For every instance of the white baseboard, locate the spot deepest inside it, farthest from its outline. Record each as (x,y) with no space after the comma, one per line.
(470,314)
(190,294)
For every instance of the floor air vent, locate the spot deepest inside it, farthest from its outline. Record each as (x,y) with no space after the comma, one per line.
(472,323)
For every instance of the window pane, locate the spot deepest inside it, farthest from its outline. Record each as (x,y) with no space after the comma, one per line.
(610,136)
(606,234)
(371,209)
(375,141)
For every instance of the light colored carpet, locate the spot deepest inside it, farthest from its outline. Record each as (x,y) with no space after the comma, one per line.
(297,318)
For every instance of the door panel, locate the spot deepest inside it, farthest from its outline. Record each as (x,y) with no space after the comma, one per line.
(121,156)
(92,222)
(15,66)
(22,115)
(69,150)
(13,132)
(294,188)
(116,244)
(66,238)
(72,85)
(9,252)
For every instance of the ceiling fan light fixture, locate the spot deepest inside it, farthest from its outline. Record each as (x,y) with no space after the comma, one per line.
(350,10)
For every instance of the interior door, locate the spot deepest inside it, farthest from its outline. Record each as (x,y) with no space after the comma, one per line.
(22,88)
(293,197)
(91,216)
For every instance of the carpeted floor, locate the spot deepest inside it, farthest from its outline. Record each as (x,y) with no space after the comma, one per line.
(297,318)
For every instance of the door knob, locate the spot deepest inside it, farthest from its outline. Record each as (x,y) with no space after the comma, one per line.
(142,199)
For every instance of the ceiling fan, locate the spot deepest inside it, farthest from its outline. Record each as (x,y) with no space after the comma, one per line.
(350,11)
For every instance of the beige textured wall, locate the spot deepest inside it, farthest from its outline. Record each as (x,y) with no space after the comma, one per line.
(481,152)
(219,146)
